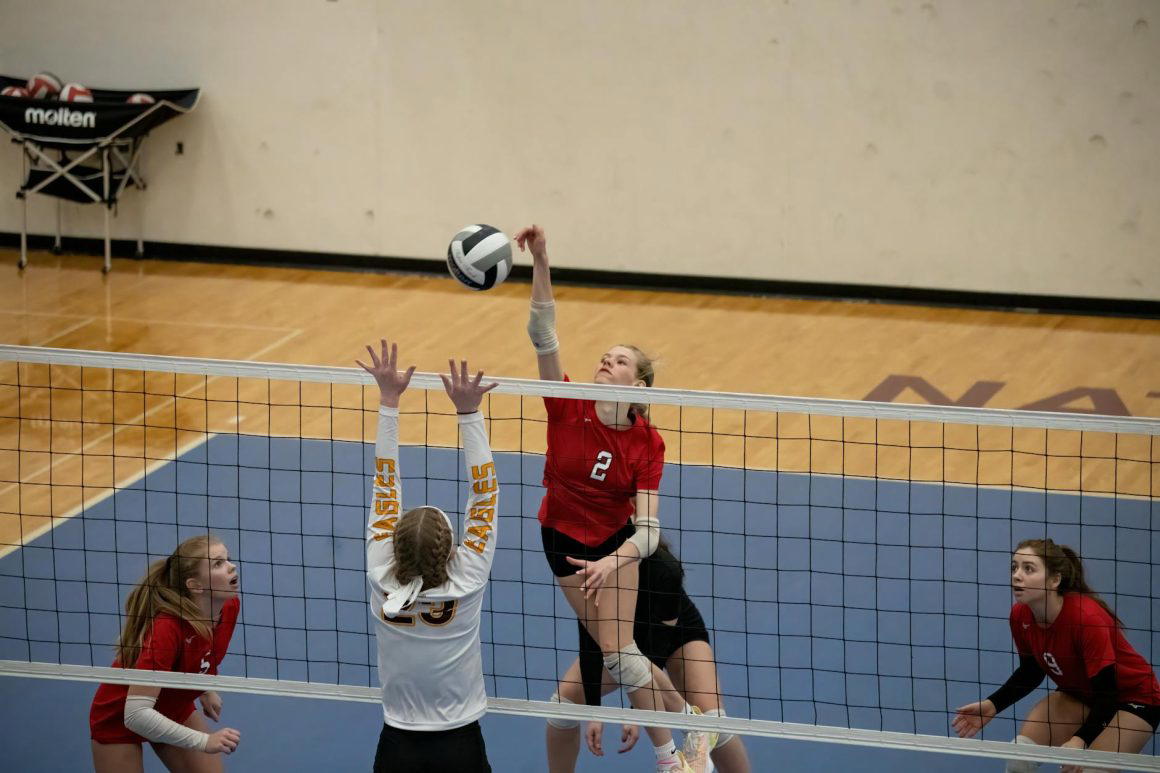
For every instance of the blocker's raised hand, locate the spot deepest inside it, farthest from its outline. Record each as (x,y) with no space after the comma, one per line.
(391,382)
(465,392)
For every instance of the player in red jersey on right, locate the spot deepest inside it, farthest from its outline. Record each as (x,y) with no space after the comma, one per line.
(1107,699)
(599,516)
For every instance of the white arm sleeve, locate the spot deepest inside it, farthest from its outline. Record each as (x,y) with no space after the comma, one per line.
(542,327)
(386,496)
(477,548)
(647,535)
(148,722)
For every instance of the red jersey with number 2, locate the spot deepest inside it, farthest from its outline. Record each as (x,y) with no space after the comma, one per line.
(169,645)
(1084,640)
(592,471)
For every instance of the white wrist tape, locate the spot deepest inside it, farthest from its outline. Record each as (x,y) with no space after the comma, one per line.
(647,535)
(148,722)
(542,327)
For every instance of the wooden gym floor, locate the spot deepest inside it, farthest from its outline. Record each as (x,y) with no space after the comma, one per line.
(712,342)
(731,343)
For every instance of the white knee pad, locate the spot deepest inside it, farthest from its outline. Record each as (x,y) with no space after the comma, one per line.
(629,668)
(1022,766)
(722,738)
(562,723)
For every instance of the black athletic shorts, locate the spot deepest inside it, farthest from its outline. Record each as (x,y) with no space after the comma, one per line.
(1145,711)
(659,640)
(557,546)
(1150,714)
(427,751)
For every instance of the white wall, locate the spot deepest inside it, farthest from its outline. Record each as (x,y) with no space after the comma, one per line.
(992,145)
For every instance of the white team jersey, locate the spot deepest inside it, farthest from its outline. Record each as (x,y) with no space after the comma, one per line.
(430,664)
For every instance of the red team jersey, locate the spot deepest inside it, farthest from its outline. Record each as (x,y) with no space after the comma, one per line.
(1083,641)
(592,471)
(170,645)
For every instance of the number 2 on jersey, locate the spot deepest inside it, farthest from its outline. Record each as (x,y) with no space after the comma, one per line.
(603,462)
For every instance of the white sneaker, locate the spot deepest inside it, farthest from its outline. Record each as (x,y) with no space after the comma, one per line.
(679,765)
(698,744)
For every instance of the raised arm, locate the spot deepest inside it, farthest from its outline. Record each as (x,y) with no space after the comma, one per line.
(387,492)
(477,548)
(542,320)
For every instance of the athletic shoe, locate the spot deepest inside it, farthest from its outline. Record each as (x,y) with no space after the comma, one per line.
(698,744)
(677,765)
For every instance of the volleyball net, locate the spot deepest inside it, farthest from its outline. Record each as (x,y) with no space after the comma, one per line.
(850,559)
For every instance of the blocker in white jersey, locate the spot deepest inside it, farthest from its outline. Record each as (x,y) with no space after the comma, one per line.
(426,593)
(429,656)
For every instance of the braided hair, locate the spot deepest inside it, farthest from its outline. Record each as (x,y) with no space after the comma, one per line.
(422,547)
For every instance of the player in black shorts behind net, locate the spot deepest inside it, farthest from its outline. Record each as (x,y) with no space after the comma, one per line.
(671,632)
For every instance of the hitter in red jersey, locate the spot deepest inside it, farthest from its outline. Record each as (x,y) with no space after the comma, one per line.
(1108,697)
(593,472)
(599,515)
(179,618)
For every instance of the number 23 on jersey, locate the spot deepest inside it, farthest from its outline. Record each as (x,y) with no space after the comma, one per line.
(435,613)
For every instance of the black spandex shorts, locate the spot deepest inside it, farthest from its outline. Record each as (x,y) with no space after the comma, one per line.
(659,640)
(1150,714)
(557,546)
(425,751)
(1145,711)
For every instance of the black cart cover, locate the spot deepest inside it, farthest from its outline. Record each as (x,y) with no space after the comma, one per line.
(53,123)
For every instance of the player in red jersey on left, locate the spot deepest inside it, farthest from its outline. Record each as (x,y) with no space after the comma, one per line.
(1107,696)
(180,618)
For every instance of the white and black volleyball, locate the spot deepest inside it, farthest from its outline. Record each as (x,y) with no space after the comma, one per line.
(480,256)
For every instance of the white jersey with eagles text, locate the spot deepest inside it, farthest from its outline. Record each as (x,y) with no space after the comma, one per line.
(430,664)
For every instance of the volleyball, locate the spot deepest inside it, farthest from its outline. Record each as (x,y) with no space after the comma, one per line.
(13,91)
(480,256)
(43,85)
(75,92)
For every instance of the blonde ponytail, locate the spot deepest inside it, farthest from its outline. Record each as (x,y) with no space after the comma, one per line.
(163,589)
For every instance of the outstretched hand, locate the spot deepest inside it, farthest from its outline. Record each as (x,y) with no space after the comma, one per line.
(391,382)
(465,392)
(971,718)
(532,238)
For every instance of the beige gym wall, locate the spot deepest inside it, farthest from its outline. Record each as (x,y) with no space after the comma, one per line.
(991,145)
